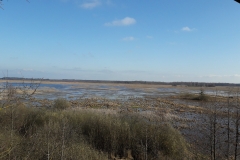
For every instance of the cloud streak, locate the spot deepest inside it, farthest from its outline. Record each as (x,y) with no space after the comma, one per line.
(91,4)
(223,76)
(123,22)
(149,37)
(187,29)
(128,39)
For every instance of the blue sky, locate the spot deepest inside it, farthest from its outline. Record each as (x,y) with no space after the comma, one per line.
(153,40)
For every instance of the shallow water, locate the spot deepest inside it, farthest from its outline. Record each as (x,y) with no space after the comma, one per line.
(75,91)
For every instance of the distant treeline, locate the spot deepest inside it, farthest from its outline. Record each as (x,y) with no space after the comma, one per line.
(190,84)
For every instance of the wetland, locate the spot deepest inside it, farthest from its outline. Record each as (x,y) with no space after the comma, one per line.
(200,114)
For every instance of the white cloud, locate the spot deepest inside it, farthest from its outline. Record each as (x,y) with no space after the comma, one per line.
(91,4)
(123,22)
(128,39)
(187,29)
(213,75)
(222,76)
(236,75)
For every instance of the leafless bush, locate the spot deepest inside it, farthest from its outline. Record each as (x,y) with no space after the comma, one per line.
(61,104)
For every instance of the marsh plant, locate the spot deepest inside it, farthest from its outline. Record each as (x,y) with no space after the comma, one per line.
(45,134)
(61,104)
(29,132)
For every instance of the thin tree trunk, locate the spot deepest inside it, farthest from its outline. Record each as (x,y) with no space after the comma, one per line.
(236,139)
(214,136)
(228,130)
(237,132)
(211,137)
(48,145)
(146,146)
(63,140)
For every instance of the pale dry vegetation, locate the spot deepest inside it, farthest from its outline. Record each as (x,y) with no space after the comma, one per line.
(63,132)
(36,133)
(131,128)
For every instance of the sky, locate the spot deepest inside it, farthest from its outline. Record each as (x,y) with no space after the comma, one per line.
(144,40)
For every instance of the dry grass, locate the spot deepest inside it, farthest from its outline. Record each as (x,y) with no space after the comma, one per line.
(85,134)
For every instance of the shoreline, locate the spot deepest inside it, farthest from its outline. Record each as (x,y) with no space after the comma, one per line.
(128,85)
(133,85)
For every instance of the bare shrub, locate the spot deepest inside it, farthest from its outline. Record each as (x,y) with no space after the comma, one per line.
(61,104)
(116,134)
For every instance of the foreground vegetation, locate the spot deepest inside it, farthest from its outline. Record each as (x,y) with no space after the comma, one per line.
(37,133)
(191,126)
(62,132)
